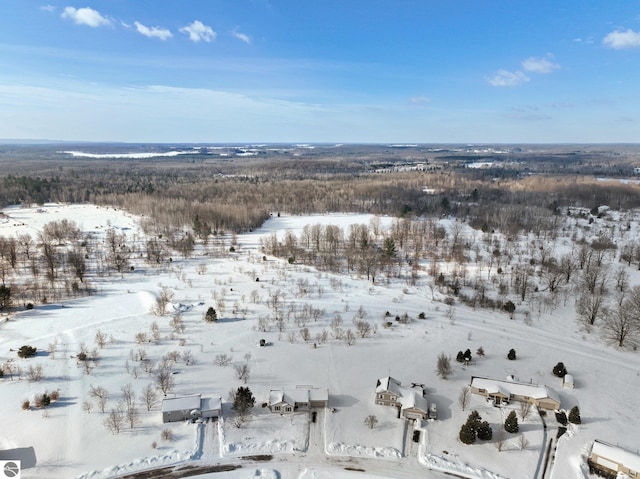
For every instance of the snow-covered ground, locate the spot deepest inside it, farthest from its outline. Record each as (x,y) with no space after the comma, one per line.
(66,440)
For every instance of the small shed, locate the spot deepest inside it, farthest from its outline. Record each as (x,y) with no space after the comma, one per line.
(568,381)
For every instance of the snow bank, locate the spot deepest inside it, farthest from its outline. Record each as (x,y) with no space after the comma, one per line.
(340,449)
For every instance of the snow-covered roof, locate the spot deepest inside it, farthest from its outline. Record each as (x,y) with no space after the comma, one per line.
(276,396)
(412,399)
(389,384)
(211,404)
(319,394)
(298,395)
(181,403)
(616,454)
(518,389)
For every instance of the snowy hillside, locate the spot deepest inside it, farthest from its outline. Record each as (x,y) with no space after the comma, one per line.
(69,438)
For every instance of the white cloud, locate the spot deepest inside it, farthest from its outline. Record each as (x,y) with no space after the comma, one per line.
(153,32)
(506,78)
(540,65)
(241,36)
(85,16)
(48,8)
(419,100)
(198,31)
(622,39)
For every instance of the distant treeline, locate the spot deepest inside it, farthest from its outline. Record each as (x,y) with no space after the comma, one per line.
(520,192)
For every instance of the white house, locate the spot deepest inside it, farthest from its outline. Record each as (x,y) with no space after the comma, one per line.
(611,460)
(503,392)
(300,398)
(181,408)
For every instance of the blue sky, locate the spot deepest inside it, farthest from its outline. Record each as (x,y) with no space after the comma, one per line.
(417,71)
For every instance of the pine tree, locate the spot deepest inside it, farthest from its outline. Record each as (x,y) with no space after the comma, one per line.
(243,400)
(559,370)
(485,432)
(467,434)
(512,354)
(574,415)
(211,316)
(460,357)
(511,423)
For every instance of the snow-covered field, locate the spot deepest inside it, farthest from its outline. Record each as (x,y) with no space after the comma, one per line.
(66,440)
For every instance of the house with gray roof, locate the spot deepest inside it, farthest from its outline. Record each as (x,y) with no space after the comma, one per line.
(502,392)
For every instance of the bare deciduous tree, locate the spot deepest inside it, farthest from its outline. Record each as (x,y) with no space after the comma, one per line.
(464,397)
(370,421)
(165,380)
(161,304)
(363,327)
(443,366)
(349,337)
(524,409)
(115,420)
(35,373)
(101,339)
(242,372)
(222,359)
(590,307)
(149,396)
(101,395)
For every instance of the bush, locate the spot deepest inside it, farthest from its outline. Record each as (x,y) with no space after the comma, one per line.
(559,370)
(511,423)
(511,355)
(166,434)
(460,357)
(509,307)
(55,395)
(574,415)
(29,306)
(26,405)
(422,316)
(26,351)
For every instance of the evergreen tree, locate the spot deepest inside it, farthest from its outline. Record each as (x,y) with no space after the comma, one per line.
(511,423)
(243,400)
(574,415)
(5,296)
(467,434)
(485,432)
(26,351)
(559,370)
(460,357)
(512,354)
(211,316)
(467,355)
